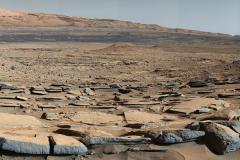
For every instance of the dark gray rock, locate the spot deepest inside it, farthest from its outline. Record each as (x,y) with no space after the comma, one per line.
(115,140)
(237,62)
(177,136)
(38,90)
(115,86)
(197,83)
(89,92)
(52,99)
(228,95)
(9,86)
(124,91)
(219,138)
(50,116)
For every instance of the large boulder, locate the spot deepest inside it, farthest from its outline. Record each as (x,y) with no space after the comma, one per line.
(219,138)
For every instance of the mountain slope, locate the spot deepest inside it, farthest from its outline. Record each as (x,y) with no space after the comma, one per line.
(24,19)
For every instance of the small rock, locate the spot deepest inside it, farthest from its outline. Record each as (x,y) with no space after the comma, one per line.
(170,84)
(89,92)
(197,83)
(115,86)
(124,91)
(27,111)
(50,116)
(202,110)
(21,98)
(38,90)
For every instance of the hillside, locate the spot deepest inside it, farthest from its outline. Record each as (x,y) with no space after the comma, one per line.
(24,19)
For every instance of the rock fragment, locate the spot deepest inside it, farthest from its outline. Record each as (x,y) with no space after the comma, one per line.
(89,92)
(115,86)
(38,90)
(66,145)
(21,98)
(50,116)
(116,140)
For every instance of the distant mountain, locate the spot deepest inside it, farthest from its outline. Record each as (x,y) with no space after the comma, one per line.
(24,19)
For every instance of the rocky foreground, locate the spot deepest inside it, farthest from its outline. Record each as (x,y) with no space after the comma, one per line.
(93,119)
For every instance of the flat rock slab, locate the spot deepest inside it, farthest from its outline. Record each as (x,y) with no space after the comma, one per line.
(67,145)
(127,140)
(54,89)
(25,145)
(47,106)
(96,118)
(194,104)
(10,105)
(137,117)
(38,90)
(132,102)
(19,121)
(51,99)
(82,131)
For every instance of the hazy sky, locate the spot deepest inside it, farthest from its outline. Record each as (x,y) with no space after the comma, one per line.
(206,15)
